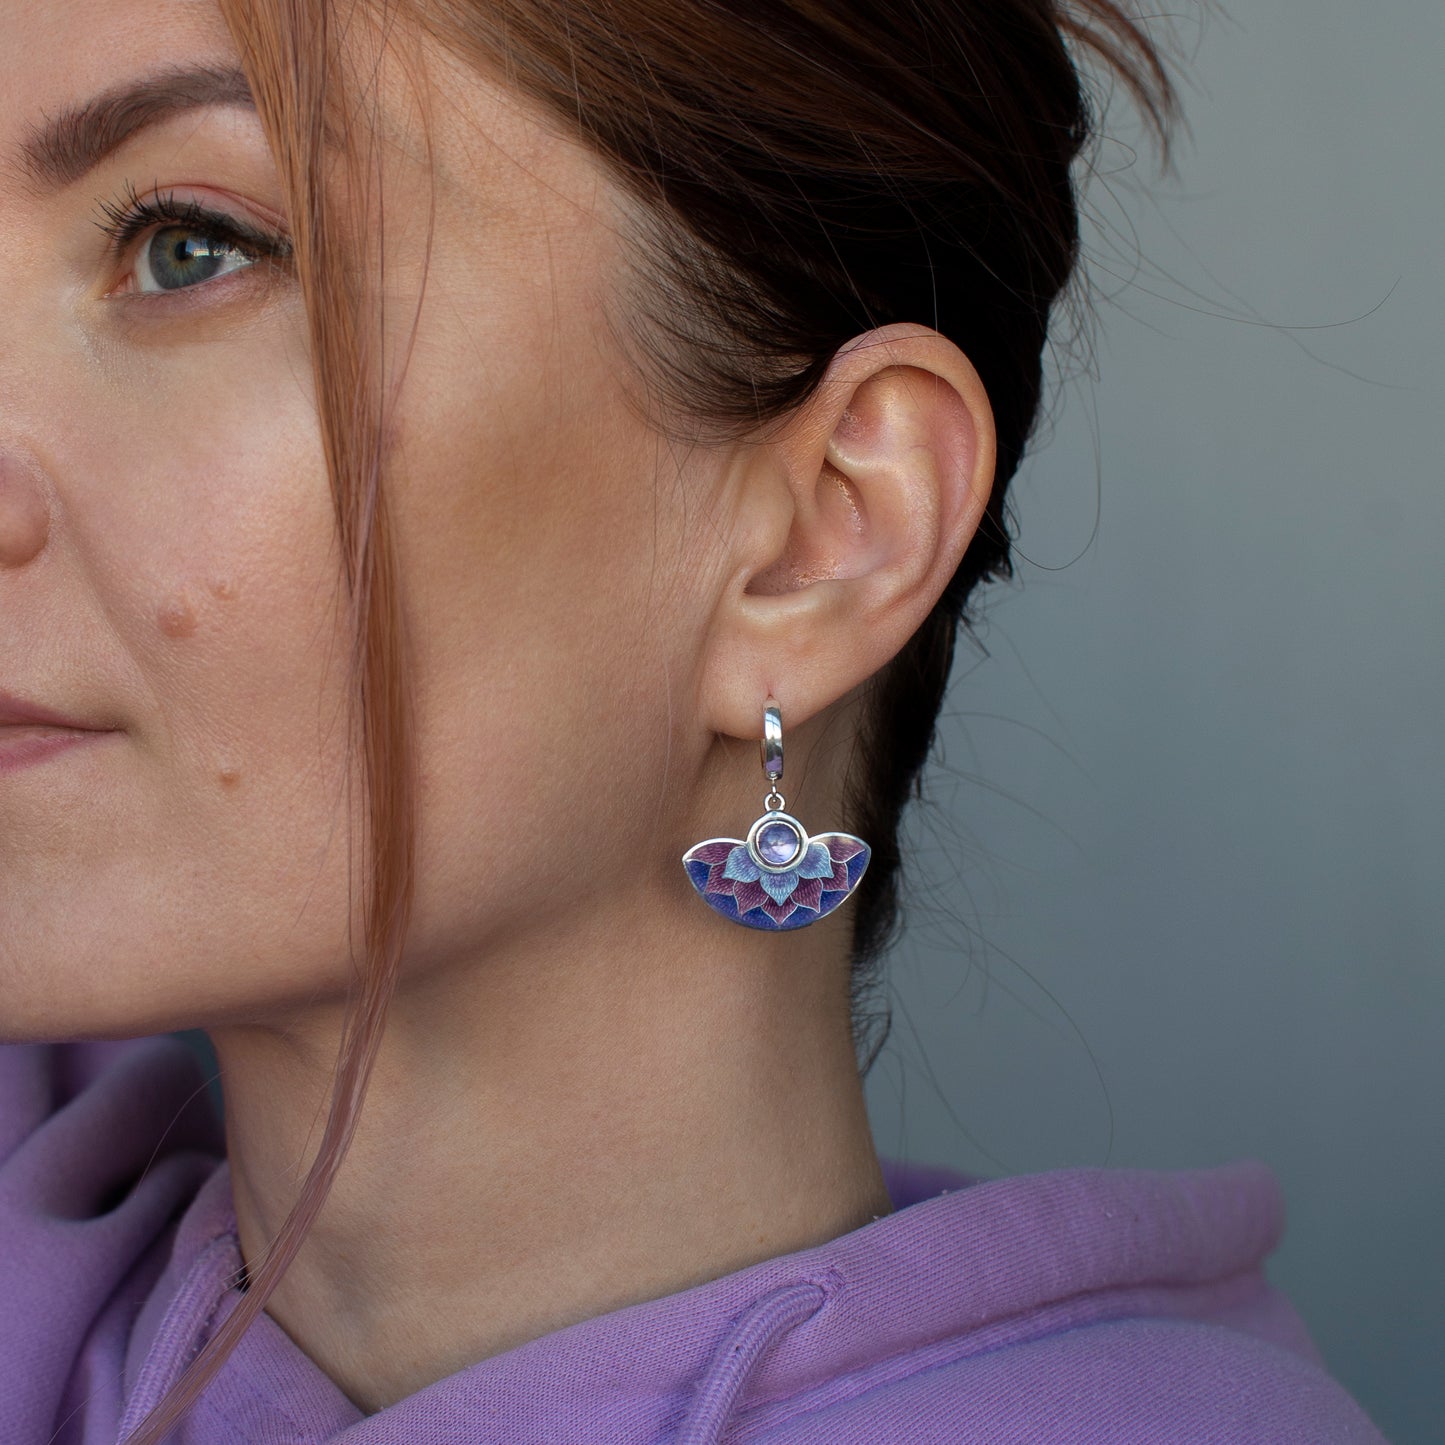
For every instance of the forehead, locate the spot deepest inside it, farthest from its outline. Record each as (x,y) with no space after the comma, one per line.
(418,102)
(480,127)
(54,51)
(78,78)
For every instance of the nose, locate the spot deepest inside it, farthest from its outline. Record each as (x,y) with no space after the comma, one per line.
(24,509)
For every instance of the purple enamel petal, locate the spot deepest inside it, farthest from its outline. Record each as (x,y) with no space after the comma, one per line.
(779,911)
(809,893)
(749,896)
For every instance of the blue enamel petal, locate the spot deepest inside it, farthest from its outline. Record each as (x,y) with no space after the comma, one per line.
(780,886)
(817,862)
(741,866)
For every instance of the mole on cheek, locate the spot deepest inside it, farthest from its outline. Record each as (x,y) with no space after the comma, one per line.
(176,616)
(24,523)
(230,778)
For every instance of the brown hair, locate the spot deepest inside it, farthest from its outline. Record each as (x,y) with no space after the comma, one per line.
(808,169)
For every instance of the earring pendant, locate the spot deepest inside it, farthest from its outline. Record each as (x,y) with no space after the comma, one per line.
(778,877)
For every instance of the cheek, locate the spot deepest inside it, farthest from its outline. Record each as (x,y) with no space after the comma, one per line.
(540,569)
(196,868)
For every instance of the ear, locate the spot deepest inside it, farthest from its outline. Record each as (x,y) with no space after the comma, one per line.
(849,522)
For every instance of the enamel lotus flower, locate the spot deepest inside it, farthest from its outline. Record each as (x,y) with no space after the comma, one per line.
(778,877)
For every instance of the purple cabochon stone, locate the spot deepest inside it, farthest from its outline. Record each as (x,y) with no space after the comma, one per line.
(778,843)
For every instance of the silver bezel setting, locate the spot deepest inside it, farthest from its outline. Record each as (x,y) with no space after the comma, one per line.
(776,815)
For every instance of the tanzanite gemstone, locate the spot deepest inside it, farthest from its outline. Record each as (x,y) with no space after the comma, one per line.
(778,843)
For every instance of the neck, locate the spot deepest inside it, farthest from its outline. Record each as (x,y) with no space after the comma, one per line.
(575,1126)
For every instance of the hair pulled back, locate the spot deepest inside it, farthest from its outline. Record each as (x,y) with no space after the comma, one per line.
(807,170)
(811,169)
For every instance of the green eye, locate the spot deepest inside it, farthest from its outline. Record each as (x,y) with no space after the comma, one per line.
(179,256)
(189,245)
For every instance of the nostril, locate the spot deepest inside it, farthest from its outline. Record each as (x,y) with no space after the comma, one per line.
(24,513)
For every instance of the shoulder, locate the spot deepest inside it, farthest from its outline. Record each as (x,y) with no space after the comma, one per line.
(1121,1382)
(1075,1307)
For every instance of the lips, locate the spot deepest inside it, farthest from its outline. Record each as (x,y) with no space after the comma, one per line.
(31,734)
(15,712)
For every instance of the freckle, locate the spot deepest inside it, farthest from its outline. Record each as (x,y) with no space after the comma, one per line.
(230,779)
(176,617)
(223,588)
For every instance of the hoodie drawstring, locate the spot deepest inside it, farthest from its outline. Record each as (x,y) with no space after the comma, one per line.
(717,1393)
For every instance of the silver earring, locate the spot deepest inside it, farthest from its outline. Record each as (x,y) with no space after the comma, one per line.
(778,877)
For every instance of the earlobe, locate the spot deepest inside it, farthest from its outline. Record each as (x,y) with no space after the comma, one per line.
(888,469)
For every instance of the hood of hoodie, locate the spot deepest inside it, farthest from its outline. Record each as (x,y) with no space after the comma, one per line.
(969,1303)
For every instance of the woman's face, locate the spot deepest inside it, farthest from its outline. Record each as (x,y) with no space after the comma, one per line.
(169,576)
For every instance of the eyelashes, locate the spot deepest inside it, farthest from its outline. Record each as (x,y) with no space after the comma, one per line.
(125,221)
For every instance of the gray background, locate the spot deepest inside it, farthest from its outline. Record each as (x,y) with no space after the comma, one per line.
(1176,893)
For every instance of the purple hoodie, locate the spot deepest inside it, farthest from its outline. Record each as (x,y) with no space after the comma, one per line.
(1081,1305)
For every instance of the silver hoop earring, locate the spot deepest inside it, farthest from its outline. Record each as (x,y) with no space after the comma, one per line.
(778,877)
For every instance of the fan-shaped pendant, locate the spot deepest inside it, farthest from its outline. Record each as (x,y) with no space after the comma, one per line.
(778,877)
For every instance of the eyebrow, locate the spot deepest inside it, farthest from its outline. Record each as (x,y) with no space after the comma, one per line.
(66,146)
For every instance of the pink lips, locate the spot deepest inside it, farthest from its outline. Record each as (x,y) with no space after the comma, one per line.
(30,733)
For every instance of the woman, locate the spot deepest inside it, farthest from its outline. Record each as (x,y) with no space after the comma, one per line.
(471,430)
